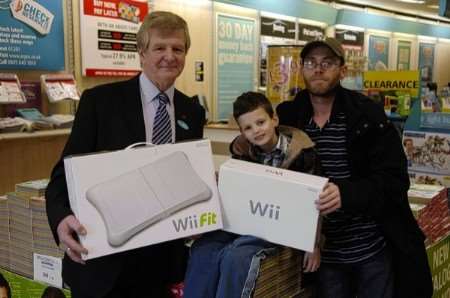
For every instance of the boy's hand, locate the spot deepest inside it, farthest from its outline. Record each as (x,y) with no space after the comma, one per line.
(329,199)
(311,261)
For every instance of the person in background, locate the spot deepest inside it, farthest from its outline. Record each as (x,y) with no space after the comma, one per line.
(373,245)
(111,117)
(5,289)
(52,292)
(224,264)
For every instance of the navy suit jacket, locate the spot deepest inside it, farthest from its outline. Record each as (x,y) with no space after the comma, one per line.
(110,117)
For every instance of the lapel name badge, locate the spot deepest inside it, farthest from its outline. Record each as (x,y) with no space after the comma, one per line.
(183,124)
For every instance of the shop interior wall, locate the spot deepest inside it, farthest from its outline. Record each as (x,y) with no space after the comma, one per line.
(200,15)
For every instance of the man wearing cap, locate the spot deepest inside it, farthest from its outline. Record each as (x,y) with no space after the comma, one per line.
(373,246)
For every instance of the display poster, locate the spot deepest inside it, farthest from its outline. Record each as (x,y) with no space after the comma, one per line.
(426,62)
(108,36)
(273,31)
(434,109)
(394,90)
(284,75)
(427,152)
(309,32)
(403,55)
(31,35)
(378,53)
(277,28)
(236,58)
(350,37)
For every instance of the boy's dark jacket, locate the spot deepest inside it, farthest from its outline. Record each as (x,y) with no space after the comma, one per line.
(378,185)
(301,155)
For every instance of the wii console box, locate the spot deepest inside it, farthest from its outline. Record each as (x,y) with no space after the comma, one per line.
(274,204)
(136,197)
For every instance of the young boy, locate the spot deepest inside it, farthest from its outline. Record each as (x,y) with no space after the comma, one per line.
(224,264)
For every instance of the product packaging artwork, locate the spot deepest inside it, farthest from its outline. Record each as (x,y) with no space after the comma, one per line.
(274,204)
(137,197)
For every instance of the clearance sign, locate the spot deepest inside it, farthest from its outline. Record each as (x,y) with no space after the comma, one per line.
(392,80)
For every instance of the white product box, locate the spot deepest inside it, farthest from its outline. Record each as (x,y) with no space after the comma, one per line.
(271,203)
(132,198)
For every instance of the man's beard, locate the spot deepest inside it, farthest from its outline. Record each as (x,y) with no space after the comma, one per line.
(327,92)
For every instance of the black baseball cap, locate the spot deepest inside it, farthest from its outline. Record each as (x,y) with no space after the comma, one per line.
(329,42)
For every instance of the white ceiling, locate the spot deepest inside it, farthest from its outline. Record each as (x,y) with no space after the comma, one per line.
(429,9)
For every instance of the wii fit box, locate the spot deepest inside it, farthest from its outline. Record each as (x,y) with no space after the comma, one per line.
(274,204)
(132,198)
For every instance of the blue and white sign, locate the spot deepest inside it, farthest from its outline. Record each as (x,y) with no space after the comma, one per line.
(31,34)
(236,58)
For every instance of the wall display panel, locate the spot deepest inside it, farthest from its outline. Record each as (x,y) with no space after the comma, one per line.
(403,55)
(284,76)
(378,53)
(31,35)
(274,31)
(108,36)
(426,62)
(235,60)
(352,42)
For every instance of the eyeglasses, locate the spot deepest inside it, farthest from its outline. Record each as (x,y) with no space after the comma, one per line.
(324,65)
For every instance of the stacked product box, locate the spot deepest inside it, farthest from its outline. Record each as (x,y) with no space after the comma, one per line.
(434,220)
(4,233)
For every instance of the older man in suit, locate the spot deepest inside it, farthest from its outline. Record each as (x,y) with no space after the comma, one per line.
(111,117)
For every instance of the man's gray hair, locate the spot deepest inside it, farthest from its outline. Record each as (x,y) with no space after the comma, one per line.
(165,22)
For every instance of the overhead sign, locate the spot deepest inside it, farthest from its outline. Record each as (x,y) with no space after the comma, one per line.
(350,37)
(108,36)
(277,28)
(392,80)
(310,32)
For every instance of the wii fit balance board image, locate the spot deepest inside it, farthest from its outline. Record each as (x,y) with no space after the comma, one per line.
(132,198)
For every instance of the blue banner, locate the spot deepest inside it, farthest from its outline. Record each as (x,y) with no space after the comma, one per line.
(235,60)
(31,35)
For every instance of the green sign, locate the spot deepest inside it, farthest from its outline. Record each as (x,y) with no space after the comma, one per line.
(22,287)
(438,258)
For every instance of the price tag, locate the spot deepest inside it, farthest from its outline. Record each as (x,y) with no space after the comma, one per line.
(48,269)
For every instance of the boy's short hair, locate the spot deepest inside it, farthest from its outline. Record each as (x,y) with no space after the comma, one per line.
(250,101)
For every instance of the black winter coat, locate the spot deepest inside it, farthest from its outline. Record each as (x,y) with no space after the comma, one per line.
(378,185)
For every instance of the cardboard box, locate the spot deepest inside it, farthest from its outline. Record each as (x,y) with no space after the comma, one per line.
(271,203)
(132,198)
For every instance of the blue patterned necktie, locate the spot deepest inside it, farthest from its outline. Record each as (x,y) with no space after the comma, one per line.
(162,130)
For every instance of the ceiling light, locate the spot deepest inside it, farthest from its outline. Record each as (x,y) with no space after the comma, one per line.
(412,1)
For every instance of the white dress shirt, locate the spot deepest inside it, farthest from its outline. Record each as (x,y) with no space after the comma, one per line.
(150,105)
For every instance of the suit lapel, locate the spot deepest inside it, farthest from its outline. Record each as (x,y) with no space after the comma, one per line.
(132,110)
